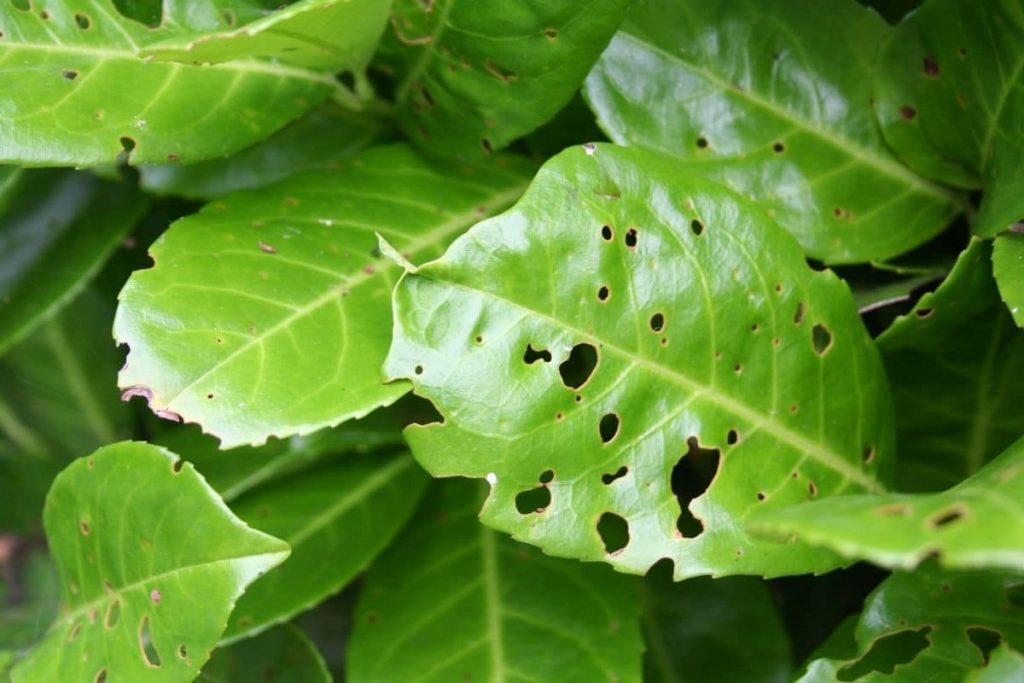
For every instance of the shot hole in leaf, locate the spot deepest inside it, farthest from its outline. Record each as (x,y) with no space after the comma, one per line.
(149,653)
(614,532)
(887,653)
(608,427)
(778,147)
(798,315)
(631,238)
(985,639)
(691,477)
(606,233)
(603,293)
(696,227)
(821,338)
(657,322)
(182,651)
(69,74)
(702,142)
(579,366)
(533,355)
(944,518)
(546,477)
(101,676)
(113,614)
(732,438)
(608,479)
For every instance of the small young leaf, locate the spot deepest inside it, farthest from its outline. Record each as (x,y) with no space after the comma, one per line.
(626,338)
(1008,267)
(454,601)
(151,563)
(280,655)
(778,105)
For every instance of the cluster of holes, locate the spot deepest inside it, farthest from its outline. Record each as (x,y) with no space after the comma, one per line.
(536,500)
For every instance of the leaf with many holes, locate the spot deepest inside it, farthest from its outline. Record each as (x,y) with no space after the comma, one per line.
(336,518)
(959,336)
(216,328)
(471,77)
(977,523)
(63,59)
(726,626)
(1004,665)
(326,35)
(772,98)
(951,100)
(670,336)
(56,230)
(280,655)
(57,398)
(453,600)
(321,140)
(151,563)
(928,626)
(1008,267)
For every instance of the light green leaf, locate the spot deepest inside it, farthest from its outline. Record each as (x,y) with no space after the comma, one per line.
(709,332)
(336,518)
(1004,666)
(726,626)
(56,230)
(454,601)
(472,77)
(1008,267)
(327,35)
(64,60)
(280,655)
(151,563)
(959,336)
(978,523)
(320,140)
(927,626)
(773,98)
(267,313)
(951,100)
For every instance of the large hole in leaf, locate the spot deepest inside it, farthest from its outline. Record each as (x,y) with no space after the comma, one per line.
(985,639)
(579,366)
(149,652)
(608,427)
(614,531)
(691,477)
(887,653)
(533,500)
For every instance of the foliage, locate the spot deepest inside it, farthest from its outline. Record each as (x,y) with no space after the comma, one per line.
(671,288)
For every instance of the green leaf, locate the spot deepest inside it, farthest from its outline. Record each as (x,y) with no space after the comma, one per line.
(726,626)
(951,102)
(29,594)
(927,626)
(336,518)
(453,600)
(709,331)
(978,523)
(217,329)
(64,60)
(280,655)
(1004,666)
(773,98)
(959,336)
(471,78)
(151,563)
(56,230)
(327,35)
(1008,267)
(320,140)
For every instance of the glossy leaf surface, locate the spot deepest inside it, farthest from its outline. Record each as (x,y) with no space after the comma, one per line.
(927,626)
(951,101)
(216,329)
(327,35)
(63,59)
(56,230)
(772,98)
(151,563)
(453,600)
(704,328)
(280,655)
(336,518)
(471,77)
(1008,267)
(959,336)
(977,523)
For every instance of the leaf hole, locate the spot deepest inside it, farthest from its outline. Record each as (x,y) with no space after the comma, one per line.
(551,33)
(113,614)
(607,479)
(733,437)
(606,233)
(614,532)
(485,145)
(546,477)
(821,338)
(533,355)
(603,293)
(631,238)
(83,21)
(702,142)
(869,455)
(923,313)
(579,366)
(608,427)
(985,639)
(533,500)
(83,526)
(887,653)
(657,322)
(778,147)
(798,316)
(761,495)
(812,489)
(69,74)
(696,227)
(149,653)
(418,370)
(691,477)
(944,518)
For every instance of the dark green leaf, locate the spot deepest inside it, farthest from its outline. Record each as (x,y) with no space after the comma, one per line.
(280,655)
(455,601)
(708,331)
(151,563)
(471,77)
(29,594)
(774,98)
(1008,267)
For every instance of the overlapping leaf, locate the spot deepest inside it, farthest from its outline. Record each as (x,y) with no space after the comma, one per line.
(151,563)
(773,98)
(453,600)
(950,99)
(281,655)
(472,77)
(960,336)
(704,328)
(978,523)
(267,313)
(927,626)
(1008,267)
(77,92)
